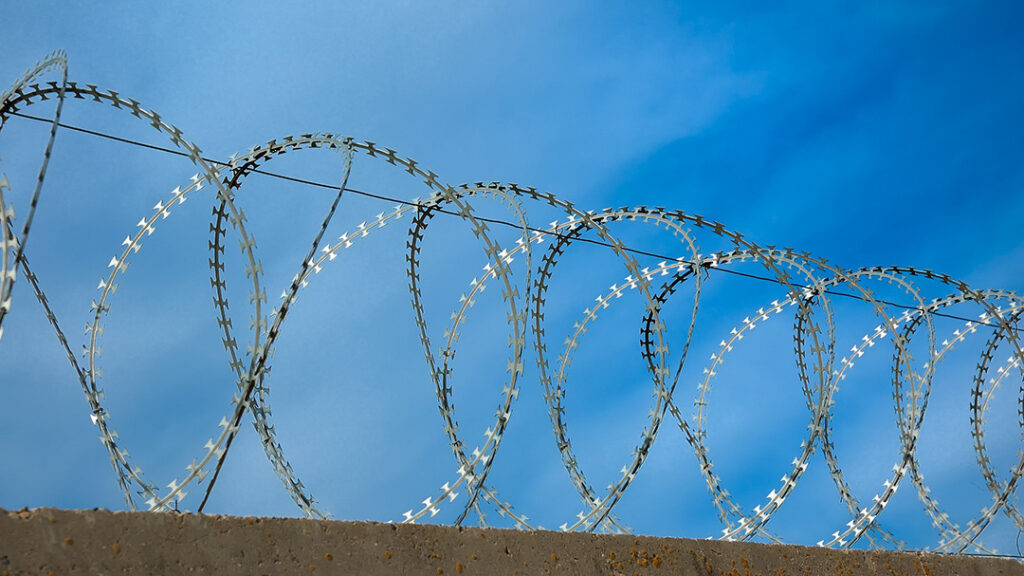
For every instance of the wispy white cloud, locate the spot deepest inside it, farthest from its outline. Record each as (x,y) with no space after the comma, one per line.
(867,134)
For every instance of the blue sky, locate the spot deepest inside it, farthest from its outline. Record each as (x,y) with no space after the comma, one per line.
(867,134)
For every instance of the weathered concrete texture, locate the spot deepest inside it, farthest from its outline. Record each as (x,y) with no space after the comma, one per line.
(48,541)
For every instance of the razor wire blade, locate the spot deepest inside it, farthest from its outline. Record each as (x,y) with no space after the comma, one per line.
(808,281)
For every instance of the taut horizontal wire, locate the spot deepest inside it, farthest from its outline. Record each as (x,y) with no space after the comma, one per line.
(814,345)
(497,221)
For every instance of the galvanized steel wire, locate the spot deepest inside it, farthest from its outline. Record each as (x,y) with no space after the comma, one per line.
(809,284)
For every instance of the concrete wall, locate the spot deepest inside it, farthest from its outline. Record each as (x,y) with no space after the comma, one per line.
(58,542)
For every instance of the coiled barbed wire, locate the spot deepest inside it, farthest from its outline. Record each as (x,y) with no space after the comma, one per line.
(808,281)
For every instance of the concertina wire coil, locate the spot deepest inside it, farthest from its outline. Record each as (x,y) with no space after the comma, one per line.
(807,280)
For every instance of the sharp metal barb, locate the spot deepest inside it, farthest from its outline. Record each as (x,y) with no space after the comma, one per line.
(807,288)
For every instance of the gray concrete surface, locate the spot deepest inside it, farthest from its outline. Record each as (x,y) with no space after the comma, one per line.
(49,541)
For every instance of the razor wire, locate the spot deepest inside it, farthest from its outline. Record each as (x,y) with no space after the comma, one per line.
(808,282)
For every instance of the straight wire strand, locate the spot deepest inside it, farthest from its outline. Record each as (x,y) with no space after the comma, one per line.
(381,197)
(697,261)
